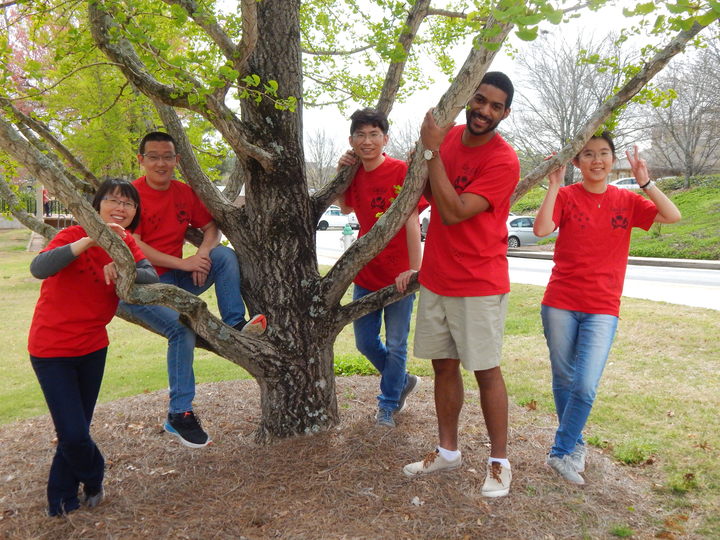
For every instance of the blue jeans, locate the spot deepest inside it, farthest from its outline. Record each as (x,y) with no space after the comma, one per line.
(71,386)
(579,345)
(389,358)
(225,275)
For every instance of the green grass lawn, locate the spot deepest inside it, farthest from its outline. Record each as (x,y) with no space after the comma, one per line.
(655,411)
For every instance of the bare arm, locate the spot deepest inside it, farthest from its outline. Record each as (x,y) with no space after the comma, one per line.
(451,207)
(346,160)
(667,211)
(544,223)
(412,231)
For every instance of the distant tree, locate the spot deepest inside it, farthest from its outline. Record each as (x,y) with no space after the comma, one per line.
(403,137)
(322,154)
(685,134)
(564,82)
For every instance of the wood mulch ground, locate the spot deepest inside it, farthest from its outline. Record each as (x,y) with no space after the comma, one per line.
(346,483)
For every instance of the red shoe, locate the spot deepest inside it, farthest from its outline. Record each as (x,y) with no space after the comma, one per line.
(255,326)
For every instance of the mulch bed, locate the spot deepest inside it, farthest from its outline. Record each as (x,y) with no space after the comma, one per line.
(345,483)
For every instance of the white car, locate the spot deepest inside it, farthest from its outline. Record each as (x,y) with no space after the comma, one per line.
(625,183)
(333,217)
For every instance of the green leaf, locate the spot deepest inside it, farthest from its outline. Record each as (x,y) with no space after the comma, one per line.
(252,80)
(527,34)
(555,17)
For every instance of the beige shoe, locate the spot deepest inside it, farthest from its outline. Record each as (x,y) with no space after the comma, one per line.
(497,480)
(431,463)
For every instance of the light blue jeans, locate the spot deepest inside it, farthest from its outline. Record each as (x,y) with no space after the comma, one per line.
(225,275)
(389,358)
(579,345)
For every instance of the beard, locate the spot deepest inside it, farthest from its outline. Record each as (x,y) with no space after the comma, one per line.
(469,115)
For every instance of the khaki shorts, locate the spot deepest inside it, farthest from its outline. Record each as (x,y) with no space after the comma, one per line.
(468,328)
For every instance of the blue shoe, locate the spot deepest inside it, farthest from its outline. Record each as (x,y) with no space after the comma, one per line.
(384,417)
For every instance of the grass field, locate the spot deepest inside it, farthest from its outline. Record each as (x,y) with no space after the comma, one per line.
(655,412)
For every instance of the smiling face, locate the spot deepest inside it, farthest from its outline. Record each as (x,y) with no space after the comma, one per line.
(158,162)
(485,110)
(595,161)
(117,208)
(368,141)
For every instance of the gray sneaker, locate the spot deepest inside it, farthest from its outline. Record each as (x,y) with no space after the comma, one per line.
(413,381)
(563,465)
(577,457)
(384,418)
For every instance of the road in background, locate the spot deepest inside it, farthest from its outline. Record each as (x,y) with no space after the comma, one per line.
(676,285)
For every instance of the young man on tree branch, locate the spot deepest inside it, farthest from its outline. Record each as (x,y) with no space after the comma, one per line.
(169,208)
(464,276)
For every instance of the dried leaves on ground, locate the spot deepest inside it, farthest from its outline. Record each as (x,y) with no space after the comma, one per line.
(346,483)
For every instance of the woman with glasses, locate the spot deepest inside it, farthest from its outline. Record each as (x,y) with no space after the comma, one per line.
(582,301)
(68,340)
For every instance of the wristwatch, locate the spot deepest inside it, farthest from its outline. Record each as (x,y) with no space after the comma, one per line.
(430,154)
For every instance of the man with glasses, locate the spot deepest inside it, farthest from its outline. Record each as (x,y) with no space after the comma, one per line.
(375,185)
(169,208)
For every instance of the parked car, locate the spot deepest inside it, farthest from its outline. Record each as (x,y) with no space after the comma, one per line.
(625,183)
(333,217)
(520,232)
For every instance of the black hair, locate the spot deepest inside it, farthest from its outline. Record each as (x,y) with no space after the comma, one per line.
(368,117)
(501,81)
(126,189)
(607,136)
(159,136)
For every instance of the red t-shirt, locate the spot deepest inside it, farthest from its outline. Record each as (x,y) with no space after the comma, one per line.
(370,194)
(592,247)
(470,257)
(166,215)
(75,304)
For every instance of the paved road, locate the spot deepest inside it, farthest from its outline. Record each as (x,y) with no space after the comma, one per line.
(686,286)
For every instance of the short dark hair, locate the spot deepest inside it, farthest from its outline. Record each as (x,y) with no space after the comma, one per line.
(499,80)
(368,117)
(126,189)
(159,136)
(604,135)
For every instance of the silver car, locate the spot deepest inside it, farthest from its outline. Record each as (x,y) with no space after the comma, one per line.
(520,231)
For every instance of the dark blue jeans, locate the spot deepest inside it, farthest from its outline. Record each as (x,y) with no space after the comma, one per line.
(71,386)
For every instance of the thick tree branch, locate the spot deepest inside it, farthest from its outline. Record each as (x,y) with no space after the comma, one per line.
(325,196)
(622,96)
(415,17)
(43,131)
(223,339)
(452,102)
(189,165)
(214,110)
(249,39)
(372,302)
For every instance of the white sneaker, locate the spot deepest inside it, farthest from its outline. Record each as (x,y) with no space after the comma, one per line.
(431,463)
(497,480)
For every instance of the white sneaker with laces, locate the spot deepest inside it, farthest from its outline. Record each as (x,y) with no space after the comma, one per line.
(497,480)
(431,463)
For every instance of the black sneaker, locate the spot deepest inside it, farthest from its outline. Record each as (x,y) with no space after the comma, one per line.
(413,381)
(186,428)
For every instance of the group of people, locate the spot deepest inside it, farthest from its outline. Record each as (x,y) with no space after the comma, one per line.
(472,172)
(464,282)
